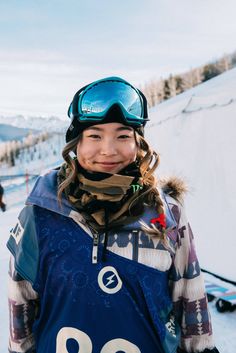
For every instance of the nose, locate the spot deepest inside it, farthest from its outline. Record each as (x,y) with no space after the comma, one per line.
(108,148)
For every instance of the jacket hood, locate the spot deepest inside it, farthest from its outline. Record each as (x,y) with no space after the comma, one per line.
(44,194)
(174,187)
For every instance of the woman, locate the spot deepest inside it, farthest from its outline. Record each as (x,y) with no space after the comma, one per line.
(103,259)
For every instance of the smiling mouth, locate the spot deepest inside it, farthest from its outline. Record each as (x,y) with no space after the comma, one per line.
(108,166)
(108,163)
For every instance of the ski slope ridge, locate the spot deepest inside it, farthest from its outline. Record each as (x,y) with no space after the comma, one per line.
(194,133)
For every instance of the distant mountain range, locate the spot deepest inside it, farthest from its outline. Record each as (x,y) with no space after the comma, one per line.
(18,126)
(9,133)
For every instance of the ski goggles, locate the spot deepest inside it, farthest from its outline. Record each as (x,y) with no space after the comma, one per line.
(94,101)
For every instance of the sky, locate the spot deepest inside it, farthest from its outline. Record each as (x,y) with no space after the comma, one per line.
(50,48)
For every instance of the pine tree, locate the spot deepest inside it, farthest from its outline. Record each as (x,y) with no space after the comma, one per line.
(210,71)
(179,84)
(166,90)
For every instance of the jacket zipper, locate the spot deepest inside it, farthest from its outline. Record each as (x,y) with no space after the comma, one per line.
(95,248)
(135,244)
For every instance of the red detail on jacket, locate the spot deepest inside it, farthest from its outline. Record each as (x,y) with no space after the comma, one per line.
(161,220)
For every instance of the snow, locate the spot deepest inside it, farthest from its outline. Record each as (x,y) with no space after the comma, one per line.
(194,134)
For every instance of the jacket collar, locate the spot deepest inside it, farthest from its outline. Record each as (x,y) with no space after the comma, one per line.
(44,194)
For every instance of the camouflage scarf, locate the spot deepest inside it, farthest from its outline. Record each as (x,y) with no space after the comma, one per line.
(103,198)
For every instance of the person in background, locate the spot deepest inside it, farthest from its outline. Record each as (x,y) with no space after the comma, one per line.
(103,257)
(2,204)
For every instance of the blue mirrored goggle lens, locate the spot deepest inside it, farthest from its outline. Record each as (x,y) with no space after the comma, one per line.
(101,96)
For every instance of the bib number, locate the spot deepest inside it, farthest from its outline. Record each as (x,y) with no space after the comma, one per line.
(85,343)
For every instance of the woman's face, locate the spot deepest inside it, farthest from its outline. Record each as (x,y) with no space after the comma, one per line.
(107,148)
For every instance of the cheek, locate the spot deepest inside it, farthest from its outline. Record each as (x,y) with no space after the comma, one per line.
(84,153)
(131,152)
(85,149)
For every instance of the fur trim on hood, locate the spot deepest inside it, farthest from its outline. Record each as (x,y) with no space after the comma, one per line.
(174,187)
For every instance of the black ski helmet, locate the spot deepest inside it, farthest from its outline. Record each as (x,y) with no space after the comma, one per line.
(114,114)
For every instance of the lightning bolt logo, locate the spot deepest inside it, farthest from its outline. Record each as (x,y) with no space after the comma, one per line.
(110,280)
(109,275)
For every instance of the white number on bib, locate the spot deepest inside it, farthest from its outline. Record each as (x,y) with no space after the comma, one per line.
(119,344)
(85,344)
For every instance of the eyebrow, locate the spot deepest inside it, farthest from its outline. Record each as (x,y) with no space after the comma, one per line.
(121,128)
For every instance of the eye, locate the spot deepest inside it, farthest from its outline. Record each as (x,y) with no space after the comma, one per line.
(124,137)
(94,136)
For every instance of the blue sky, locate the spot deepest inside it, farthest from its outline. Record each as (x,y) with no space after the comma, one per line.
(49,49)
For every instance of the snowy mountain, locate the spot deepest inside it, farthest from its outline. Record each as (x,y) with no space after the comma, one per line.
(9,132)
(195,134)
(50,124)
(32,158)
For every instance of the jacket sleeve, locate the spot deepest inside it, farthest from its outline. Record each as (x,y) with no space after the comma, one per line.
(23,307)
(23,299)
(188,292)
(23,244)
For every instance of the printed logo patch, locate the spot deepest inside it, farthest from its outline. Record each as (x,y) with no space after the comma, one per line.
(170,325)
(17,232)
(109,280)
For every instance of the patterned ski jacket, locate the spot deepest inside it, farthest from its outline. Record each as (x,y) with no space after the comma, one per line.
(142,298)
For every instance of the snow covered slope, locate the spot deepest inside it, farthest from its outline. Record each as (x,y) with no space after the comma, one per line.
(195,134)
(48,124)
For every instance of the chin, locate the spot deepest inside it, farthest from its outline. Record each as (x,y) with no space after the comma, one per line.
(109,170)
(94,167)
